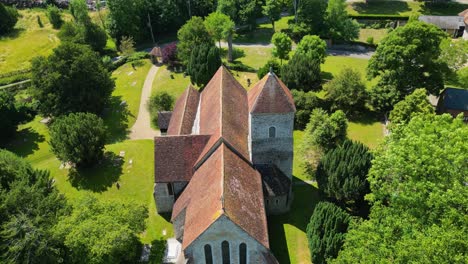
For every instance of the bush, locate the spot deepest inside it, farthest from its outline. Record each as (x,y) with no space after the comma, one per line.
(9,116)
(8,18)
(169,54)
(203,64)
(326,231)
(370,40)
(271,64)
(39,22)
(53,13)
(302,73)
(159,102)
(342,173)
(78,138)
(305,103)
(138,56)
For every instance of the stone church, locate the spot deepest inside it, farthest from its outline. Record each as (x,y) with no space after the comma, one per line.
(225,164)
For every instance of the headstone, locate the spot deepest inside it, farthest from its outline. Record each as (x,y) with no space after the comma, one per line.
(122,153)
(130,73)
(130,161)
(123,103)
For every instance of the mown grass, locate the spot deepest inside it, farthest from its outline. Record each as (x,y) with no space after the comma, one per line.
(377,34)
(174,83)
(27,41)
(404,8)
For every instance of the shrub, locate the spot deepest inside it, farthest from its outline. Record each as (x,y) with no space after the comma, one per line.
(8,18)
(53,13)
(271,64)
(159,102)
(9,116)
(305,103)
(169,54)
(302,73)
(78,138)
(39,22)
(370,40)
(326,231)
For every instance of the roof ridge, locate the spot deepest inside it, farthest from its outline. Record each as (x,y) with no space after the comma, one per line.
(184,108)
(261,90)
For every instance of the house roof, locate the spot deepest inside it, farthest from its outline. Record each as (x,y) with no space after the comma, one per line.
(184,113)
(444,22)
(235,191)
(175,156)
(223,113)
(454,98)
(275,183)
(164,117)
(156,51)
(270,95)
(463,13)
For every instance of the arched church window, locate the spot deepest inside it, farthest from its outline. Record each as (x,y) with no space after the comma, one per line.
(243,253)
(272,132)
(225,252)
(208,254)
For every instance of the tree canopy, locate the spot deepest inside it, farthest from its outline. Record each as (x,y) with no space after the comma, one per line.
(408,58)
(272,10)
(192,34)
(283,44)
(339,25)
(9,115)
(312,47)
(243,12)
(219,26)
(311,14)
(72,79)
(55,18)
(204,62)
(78,138)
(305,102)
(302,73)
(413,104)
(418,197)
(326,231)
(8,18)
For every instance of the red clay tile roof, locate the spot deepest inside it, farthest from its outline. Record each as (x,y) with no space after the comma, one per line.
(463,13)
(156,51)
(235,190)
(270,95)
(175,156)
(224,112)
(184,113)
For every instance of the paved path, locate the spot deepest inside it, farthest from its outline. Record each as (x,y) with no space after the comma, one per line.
(142,127)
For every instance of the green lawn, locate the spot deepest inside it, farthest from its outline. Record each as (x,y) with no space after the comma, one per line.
(27,41)
(403,8)
(368,131)
(255,57)
(377,34)
(170,82)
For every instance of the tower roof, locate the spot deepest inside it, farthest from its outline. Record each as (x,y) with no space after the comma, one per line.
(270,95)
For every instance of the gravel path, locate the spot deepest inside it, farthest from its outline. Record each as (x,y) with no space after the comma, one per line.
(142,127)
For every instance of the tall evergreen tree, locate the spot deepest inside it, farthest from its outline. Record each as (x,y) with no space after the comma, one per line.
(326,231)
(204,62)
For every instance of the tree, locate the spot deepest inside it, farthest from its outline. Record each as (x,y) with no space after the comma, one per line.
(192,34)
(383,97)
(462,77)
(272,65)
(342,174)
(127,46)
(72,79)
(103,231)
(95,36)
(55,18)
(326,231)
(79,11)
(125,18)
(219,26)
(302,73)
(282,47)
(272,10)
(204,62)
(169,54)
(408,58)
(8,18)
(347,91)
(305,102)
(413,105)
(313,48)
(9,116)
(311,14)
(78,138)
(31,207)
(418,197)
(339,26)
(159,102)
(243,12)
(454,53)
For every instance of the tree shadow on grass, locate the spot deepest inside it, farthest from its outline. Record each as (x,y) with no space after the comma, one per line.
(16,32)
(326,76)
(381,7)
(116,119)
(306,198)
(257,36)
(366,118)
(26,142)
(100,177)
(443,9)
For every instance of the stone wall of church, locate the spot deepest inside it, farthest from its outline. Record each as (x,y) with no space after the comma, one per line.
(278,149)
(164,200)
(277,204)
(224,230)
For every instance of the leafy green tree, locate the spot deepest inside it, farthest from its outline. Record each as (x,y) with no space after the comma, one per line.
(311,13)
(125,18)
(192,34)
(326,231)
(413,104)
(339,26)
(342,174)
(219,26)
(347,91)
(282,47)
(305,102)
(454,53)
(383,97)
(95,36)
(408,58)
(418,197)
(243,12)
(78,138)
(55,18)
(462,77)
(103,231)
(79,11)
(272,10)
(8,18)
(270,65)
(72,79)
(31,207)
(204,62)
(313,48)
(159,102)
(9,116)
(302,73)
